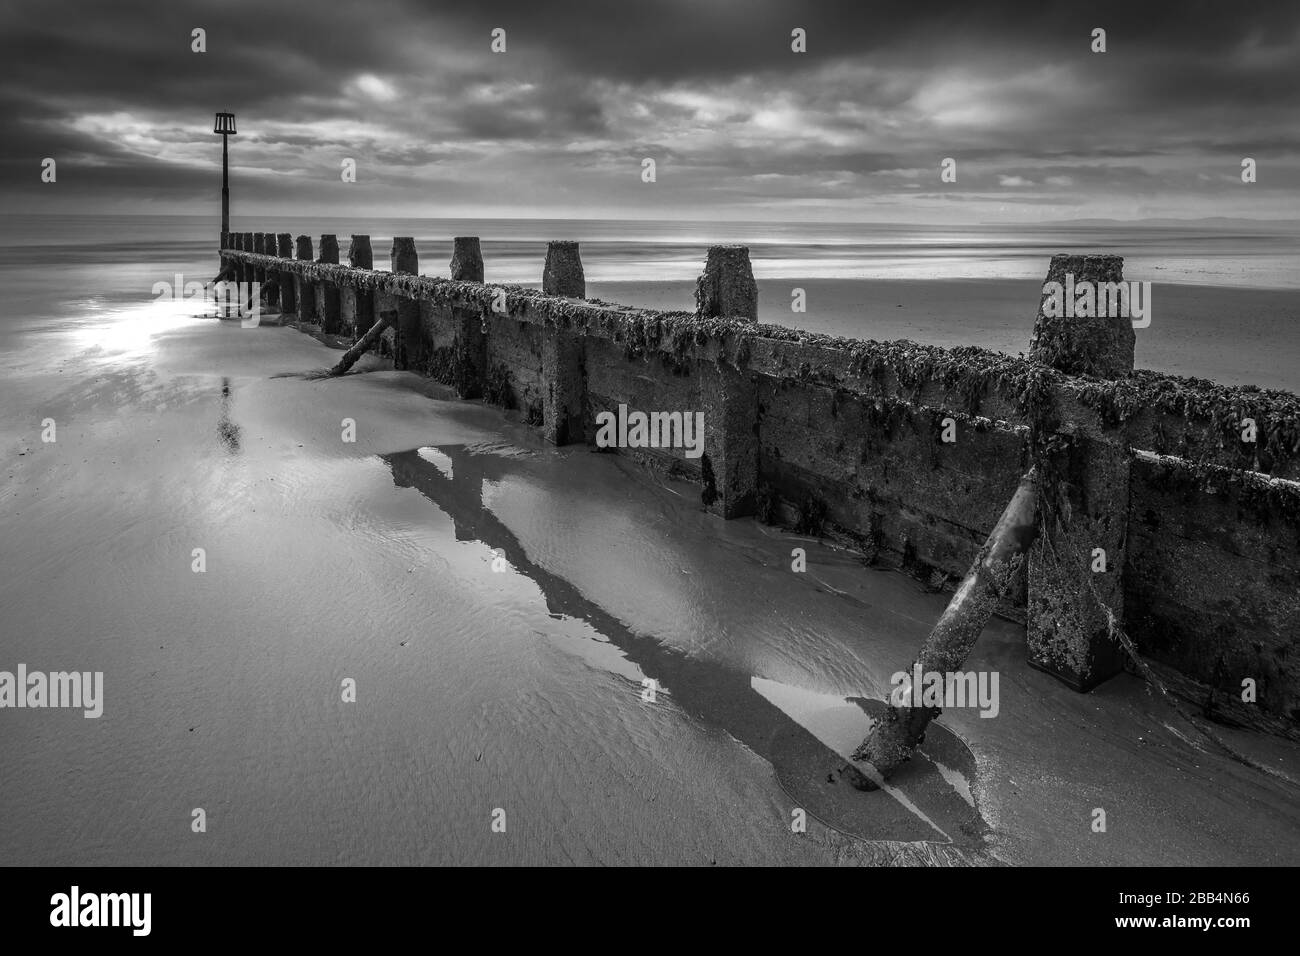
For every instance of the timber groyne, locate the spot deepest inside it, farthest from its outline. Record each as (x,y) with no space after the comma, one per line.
(1172,504)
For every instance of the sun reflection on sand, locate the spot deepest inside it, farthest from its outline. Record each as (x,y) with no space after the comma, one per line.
(132,331)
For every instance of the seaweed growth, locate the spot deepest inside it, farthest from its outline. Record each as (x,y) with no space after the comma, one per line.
(444,365)
(497,387)
(1223,410)
(765,501)
(1258,496)
(812,515)
(710,492)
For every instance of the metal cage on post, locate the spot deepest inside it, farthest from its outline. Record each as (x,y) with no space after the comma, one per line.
(224,125)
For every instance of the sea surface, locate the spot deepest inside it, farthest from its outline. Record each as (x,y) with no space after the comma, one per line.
(538,636)
(1264,256)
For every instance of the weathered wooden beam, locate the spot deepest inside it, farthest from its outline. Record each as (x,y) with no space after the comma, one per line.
(893,739)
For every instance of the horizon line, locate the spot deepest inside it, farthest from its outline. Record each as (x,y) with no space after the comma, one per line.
(793,222)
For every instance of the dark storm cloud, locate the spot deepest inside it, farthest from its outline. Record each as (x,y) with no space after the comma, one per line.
(676,39)
(708,88)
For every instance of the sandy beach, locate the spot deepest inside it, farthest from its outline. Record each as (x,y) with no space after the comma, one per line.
(521,688)
(729,434)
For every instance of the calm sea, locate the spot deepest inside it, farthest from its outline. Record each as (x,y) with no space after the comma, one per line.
(621,251)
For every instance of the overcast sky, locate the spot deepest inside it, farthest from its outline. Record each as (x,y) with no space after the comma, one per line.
(740,127)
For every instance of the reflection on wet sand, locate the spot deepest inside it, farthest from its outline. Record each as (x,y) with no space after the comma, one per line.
(227,430)
(921,804)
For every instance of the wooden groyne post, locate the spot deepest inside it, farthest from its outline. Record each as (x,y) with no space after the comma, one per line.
(728,394)
(288,287)
(407,350)
(726,287)
(564,376)
(306,291)
(469,363)
(358,304)
(328,294)
(1076,567)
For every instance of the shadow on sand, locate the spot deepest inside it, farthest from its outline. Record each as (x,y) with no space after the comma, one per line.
(920,804)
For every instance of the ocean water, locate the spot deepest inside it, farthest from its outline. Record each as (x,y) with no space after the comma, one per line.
(501,606)
(1263,257)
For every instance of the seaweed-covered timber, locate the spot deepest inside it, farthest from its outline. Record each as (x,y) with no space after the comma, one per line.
(998,564)
(1169,507)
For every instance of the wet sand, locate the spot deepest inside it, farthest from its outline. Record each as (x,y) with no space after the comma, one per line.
(518,689)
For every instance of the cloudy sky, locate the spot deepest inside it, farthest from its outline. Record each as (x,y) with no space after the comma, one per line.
(739,126)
